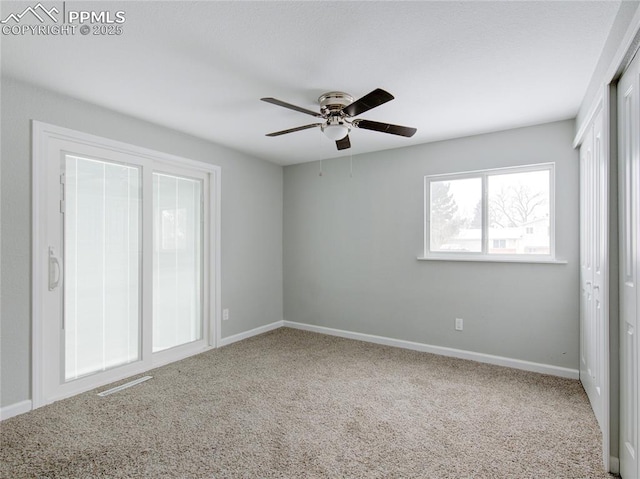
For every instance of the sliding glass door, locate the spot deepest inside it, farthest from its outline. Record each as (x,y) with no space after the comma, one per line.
(125,250)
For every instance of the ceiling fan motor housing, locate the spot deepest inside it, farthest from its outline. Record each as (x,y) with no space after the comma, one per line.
(333,102)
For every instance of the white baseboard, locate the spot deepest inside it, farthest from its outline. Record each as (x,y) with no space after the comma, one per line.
(614,465)
(15,409)
(456,353)
(252,332)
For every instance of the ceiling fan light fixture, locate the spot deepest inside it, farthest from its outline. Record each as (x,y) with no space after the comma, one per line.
(336,131)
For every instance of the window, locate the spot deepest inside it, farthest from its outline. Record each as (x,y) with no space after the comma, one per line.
(499,244)
(454,204)
(503,213)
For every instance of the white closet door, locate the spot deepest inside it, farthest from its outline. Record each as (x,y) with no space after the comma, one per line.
(592,258)
(629,168)
(594,282)
(586,260)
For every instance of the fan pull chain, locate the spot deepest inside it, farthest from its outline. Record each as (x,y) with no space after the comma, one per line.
(320,153)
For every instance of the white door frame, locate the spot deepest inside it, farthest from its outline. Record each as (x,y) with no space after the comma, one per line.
(43,136)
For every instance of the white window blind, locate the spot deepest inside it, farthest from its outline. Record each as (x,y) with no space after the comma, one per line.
(177,261)
(102,268)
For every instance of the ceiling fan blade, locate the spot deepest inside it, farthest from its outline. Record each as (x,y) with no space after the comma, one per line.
(344,143)
(376,98)
(385,128)
(291,107)
(291,130)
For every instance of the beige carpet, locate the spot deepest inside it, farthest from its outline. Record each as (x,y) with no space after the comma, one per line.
(292,404)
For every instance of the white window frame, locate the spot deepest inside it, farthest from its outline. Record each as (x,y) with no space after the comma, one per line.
(484,255)
(43,136)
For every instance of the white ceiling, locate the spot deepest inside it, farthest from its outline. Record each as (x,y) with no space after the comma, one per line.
(455,68)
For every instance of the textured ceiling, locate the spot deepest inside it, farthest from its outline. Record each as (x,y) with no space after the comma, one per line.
(455,68)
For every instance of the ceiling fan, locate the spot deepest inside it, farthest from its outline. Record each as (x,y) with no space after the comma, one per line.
(338,109)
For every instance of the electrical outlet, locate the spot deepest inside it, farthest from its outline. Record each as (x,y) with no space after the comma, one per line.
(225,314)
(459,324)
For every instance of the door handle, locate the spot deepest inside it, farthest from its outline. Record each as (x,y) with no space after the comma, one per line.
(55,271)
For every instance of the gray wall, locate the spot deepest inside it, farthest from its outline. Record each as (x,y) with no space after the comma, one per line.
(251,219)
(351,244)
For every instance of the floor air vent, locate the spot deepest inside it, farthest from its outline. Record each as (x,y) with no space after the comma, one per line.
(124,386)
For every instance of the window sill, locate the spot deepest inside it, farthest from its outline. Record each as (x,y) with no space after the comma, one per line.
(491,259)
